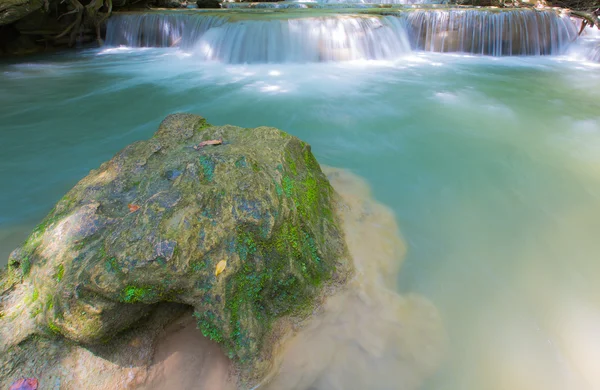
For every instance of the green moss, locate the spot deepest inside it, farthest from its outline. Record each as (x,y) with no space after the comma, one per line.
(133,294)
(290,162)
(145,294)
(198,266)
(207,323)
(245,245)
(36,311)
(310,160)
(49,220)
(208,167)
(52,326)
(112,265)
(202,124)
(310,193)
(53,216)
(265,289)
(278,188)
(60,273)
(288,186)
(33,297)
(241,162)
(176,251)
(26,266)
(50,302)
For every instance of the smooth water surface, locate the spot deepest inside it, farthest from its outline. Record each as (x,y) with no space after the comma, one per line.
(492,166)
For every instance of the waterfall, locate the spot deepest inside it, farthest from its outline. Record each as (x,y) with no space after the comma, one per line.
(314,39)
(403,2)
(280,5)
(336,38)
(587,46)
(158,30)
(594,53)
(491,32)
(260,38)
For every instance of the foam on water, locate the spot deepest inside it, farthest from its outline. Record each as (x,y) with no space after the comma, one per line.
(587,46)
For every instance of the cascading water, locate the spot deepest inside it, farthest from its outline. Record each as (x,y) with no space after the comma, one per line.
(588,45)
(347,37)
(305,40)
(157,30)
(594,54)
(329,3)
(314,39)
(403,2)
(514,32)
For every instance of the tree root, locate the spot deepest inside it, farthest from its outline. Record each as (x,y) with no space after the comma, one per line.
(588,18)
(89,16)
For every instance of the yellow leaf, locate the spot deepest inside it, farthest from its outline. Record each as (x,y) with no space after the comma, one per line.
(220,267)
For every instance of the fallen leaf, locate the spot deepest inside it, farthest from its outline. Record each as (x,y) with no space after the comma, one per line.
(209,142)
(220,267)
(133,207)
(25,384)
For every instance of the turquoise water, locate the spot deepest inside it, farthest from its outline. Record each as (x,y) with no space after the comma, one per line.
(492,166)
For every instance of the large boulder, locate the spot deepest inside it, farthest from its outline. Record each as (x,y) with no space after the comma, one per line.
(160,220)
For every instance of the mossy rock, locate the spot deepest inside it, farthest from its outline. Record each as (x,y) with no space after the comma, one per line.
(151,225)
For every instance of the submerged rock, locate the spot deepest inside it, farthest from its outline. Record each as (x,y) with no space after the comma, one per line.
(151,225)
